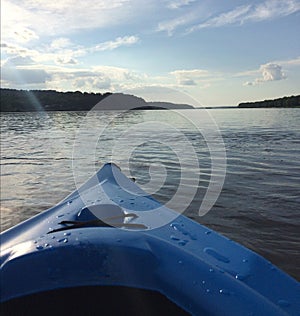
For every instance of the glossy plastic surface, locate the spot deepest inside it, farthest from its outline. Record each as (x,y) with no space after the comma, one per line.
(193,266)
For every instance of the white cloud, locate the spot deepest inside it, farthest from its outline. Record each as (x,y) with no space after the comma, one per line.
(290,62)
(268,72)
(226,18)
(170,25)
(178,3)
(93,83)
(272,9)
(184,17)
(42,54)
(267,10)
(57,18)
(64,5)
(61,42)
(15,24)
(18,61)
(63,52)
(24,35)
(52,66)
(22,71)
(64,60)
(189,77)
(248,83)
(23,77)
(93,79)
(116,79)
(16,50)
(271,72)
(119,41)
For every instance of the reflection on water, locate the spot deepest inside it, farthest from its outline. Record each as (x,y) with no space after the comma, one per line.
(259,203)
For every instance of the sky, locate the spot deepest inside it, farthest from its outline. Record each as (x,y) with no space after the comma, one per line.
(208,52)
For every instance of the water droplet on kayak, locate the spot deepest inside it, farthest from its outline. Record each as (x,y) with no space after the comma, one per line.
(60,215)
(46,245)
(65,240)
(212,252)
(245,260)
(39,247)
(35,242)
(208,232)
(70,202)
(121,201)
(207,290)
(174,237)
(67,234)
(53,237)
(180,262)
(175,226)
(211,270)
(224,291)
(241,277)
(179,227)
(182,242)
(283,303)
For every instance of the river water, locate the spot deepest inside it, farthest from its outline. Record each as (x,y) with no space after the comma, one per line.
(45,155)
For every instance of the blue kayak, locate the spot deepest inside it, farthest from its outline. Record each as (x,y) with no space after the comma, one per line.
(111,249)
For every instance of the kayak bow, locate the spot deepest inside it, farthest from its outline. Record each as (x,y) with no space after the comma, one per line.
(111,247)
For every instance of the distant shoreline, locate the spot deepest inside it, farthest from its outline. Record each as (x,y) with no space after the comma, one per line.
(285,102)
(13,100)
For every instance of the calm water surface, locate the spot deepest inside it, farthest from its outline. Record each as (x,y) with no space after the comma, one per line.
(259,202)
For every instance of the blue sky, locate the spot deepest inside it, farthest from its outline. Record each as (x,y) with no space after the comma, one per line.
(210,52)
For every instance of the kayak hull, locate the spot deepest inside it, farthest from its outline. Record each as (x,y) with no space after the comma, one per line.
(192,266)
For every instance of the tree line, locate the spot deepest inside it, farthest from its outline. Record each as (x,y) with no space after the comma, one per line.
(13,100)
(285,102)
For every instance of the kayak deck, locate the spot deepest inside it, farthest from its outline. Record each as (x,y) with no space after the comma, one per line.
(154,249)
